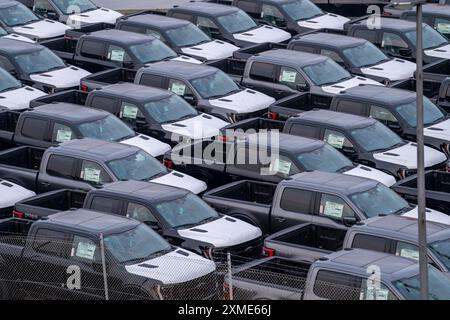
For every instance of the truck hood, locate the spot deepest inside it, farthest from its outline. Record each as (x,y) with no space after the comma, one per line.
(431,215)
(43,29)
(222,232)
(198,127)
(350,83)
(407,156)
(394,69)
(18,37)
(62,78)
(244,101)
(366,172)
(152,146)
(439,52)
(95,16)
(439,130)
(212,50)
(181,180)
(326,21)
(173,267)
(19,99)
(263,34)
(12,193)
(186,59)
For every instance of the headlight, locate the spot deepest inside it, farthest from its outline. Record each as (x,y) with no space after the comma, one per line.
(403,172)
(446,149)
(49,89)
(232,117)
(208,252)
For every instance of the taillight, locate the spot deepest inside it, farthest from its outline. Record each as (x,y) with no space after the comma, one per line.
(386,14)
(227,293)
(84,88)
(66,37)
(223,138)
(17,214)
(272,115)
(267,252)
(168,164)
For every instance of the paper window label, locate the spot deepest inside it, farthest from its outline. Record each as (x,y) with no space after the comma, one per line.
(333,209)
(372,293)
(85,250)
(92,174)
(178,88)
(336,140)
(117,55)
(140,157)
(129,112)
(410,253)
(63,135)
(288,76)
(281,166)
(443,27)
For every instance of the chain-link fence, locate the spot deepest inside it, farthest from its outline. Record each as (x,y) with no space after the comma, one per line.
(79,268)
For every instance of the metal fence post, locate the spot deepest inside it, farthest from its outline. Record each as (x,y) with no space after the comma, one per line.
(105,278)
(230,277)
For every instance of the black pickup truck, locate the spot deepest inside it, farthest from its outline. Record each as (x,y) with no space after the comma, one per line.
(38,258)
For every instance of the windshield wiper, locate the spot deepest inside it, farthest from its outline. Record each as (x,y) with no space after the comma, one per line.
(401,210)
(187,225)
(346,168)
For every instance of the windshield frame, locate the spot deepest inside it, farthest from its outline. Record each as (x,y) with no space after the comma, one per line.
(411,37)
(427,102)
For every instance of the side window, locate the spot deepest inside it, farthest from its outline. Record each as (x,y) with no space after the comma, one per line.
(93,49)
(140,213)
(334,207)
(152,80)
(93,173)
(332,54)
(297,200)
(127,27)
(383,115)
(42,7)
(393,42)
(129,112)
(104,204)
(368,242)
(250,7)
(281,166)
(351,107)
(304,131)
(50,242)
(103,103)
(35,129)
(262,71)
(337,140)
(272,15)
(290,77)
(61,133)
(337,286)
(7,65)
(154,33)
(208,26)
(61,166)
(184,16)
(407,250)
(443,26)
(84,249)
(370,35)
(117,54)
(299,47)
(180,88)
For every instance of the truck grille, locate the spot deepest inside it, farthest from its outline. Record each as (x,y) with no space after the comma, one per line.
(205,287)
(240,253)
(250,115)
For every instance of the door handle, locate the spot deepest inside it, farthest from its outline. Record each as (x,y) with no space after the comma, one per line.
(279,219)
(45,184)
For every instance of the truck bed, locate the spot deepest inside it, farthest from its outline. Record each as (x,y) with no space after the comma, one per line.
(62,47)
(437,71)
(256,193)
(231,66)
(22,157)
(70,96)
(297,103)
(256,124)
(8,122)
(246,52)
(14,231)
(107,77)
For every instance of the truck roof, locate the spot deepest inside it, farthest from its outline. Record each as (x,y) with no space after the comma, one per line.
(380,94)
(402,228)
(286,142)
(14,47)
(345,121)
(120,36)
(7,3)
(92,221)
(185,70)
(97,149)
(147,191)
(206,8)
(291,57)
(70,112)
(389,24)
(135,92)
(434,9)
(156,20)
(329,40)
(332,182)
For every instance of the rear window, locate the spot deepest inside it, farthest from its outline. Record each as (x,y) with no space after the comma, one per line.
(184,16)
(61,166)
(152,80)
(296,200)
(351,107)
(262,71)
(337,286)
(368,242)
(304,131)
(370,35)
(93,49)
(35,128)
(103,103)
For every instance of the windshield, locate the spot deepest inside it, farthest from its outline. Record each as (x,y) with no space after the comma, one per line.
(364,55)
(442,250)
(139,166)
(301,10)
(237,22)
(431,38)
(326,73)
(438,286)
(187,35)
(3,32)
(326,159)
(173,108)
(186,211)
(217,84)
(431,113)
(379,200)
(109,128)
(39,61)
(152,51)
(17,15)
(7,81)
(74,6)
(136,244)
(376,137)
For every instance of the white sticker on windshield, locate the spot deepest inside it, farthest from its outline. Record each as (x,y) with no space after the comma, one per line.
(333,209)
(336,140)
(139,157)
(410,253)
(117,55)
(129,112)
(92,174)
(443,27)
(63,135)
(281,166)
(372,293)
(288,76)
(85,250)
(178,88)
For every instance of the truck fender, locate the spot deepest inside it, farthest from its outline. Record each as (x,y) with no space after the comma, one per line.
(244,217)
(135,293)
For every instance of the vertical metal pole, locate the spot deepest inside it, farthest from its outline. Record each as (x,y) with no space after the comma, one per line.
(230,277)
(423,261)
(105,278)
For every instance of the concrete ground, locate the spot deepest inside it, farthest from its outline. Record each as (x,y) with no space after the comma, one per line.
(127,5)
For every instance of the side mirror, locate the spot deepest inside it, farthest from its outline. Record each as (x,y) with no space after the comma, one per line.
(303,87)
(405,52)
(394,126)
(128,64)
(190,99)
(153,224)
(52,15)
(349,221)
